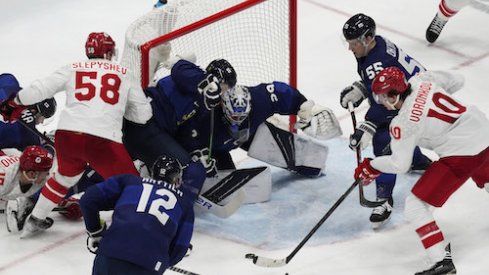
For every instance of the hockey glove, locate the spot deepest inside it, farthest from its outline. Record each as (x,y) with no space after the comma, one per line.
(363,135)
(17,211)
(208,162)
(355,93)
(10,110)
(211,91)
(72,210)
(317,121)
(94,238)
(365,172)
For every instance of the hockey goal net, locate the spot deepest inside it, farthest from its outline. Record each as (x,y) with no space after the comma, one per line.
(258,37)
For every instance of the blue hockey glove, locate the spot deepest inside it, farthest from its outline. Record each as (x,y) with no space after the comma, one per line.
(94,238)
(363,135)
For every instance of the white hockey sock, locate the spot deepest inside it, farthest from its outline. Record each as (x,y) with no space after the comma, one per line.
(43,207)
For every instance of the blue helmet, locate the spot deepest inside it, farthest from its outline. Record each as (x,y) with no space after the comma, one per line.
(223,70)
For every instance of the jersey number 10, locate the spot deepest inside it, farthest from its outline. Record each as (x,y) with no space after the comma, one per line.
(166,199)
(109,87)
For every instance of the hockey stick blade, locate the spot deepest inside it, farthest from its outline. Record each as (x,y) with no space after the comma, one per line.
(267,262)
(366,203)
(182,271)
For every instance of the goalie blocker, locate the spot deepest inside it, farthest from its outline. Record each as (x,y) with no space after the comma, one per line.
(287,150)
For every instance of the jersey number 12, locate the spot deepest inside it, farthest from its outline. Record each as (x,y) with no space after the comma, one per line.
(166,199)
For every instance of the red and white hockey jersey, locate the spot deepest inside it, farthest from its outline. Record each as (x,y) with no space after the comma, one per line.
(98,95)
(9,179)
(432,119)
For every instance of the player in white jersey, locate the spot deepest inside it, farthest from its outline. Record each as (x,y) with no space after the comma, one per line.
(20,178)
(98,95)
(446,9)
(430,118)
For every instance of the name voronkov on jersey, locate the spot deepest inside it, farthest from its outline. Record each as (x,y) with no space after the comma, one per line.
(420,102)
(99,65)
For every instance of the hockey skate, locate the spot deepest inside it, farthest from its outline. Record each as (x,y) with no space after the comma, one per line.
(442,267)
(381,214)
(434,29)
(34,226)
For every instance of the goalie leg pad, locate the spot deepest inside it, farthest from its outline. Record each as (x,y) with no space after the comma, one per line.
(287,150)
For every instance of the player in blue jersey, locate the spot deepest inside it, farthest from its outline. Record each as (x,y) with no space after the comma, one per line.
(374,53)
(176,99)
(184,102)
(152,222)
(15,135)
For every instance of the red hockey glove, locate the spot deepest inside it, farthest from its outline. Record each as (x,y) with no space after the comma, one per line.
(72,209)
(365,172)
(10,110)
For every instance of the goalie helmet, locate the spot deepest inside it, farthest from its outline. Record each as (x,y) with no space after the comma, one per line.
(168,169)
(36,158)
(359,26)
(223,70)
(390,80)
(47,107)
(100,45)
(236,104)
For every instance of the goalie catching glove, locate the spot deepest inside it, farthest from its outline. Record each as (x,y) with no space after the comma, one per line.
(211,91)
(363,135)
(317,121)
(355,93)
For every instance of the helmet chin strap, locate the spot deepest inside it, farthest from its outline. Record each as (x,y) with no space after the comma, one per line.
(392,105)
(32,180)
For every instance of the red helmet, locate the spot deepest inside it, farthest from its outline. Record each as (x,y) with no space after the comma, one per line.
(391,79)
(36,158)
(100,45)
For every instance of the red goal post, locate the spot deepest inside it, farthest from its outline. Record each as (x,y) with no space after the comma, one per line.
(258,37)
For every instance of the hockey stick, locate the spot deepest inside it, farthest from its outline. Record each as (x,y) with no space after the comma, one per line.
(56,209)
(36,132)
(363,201)
(182,271)
(268,262)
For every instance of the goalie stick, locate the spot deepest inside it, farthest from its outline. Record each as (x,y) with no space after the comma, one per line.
(363,201)
(182,271)
(268,262)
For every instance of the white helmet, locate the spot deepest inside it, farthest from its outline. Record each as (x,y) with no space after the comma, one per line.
(236,104)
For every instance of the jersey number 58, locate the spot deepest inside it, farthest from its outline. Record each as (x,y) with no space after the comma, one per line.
(109,85)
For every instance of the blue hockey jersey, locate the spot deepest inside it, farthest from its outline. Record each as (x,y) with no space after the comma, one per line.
(152,222)
(14,135)
(175,98)
(384,54)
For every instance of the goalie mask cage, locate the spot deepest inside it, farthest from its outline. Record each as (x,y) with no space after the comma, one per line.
(258,38)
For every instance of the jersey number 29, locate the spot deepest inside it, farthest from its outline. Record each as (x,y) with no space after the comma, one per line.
(166,199)
(109,87)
